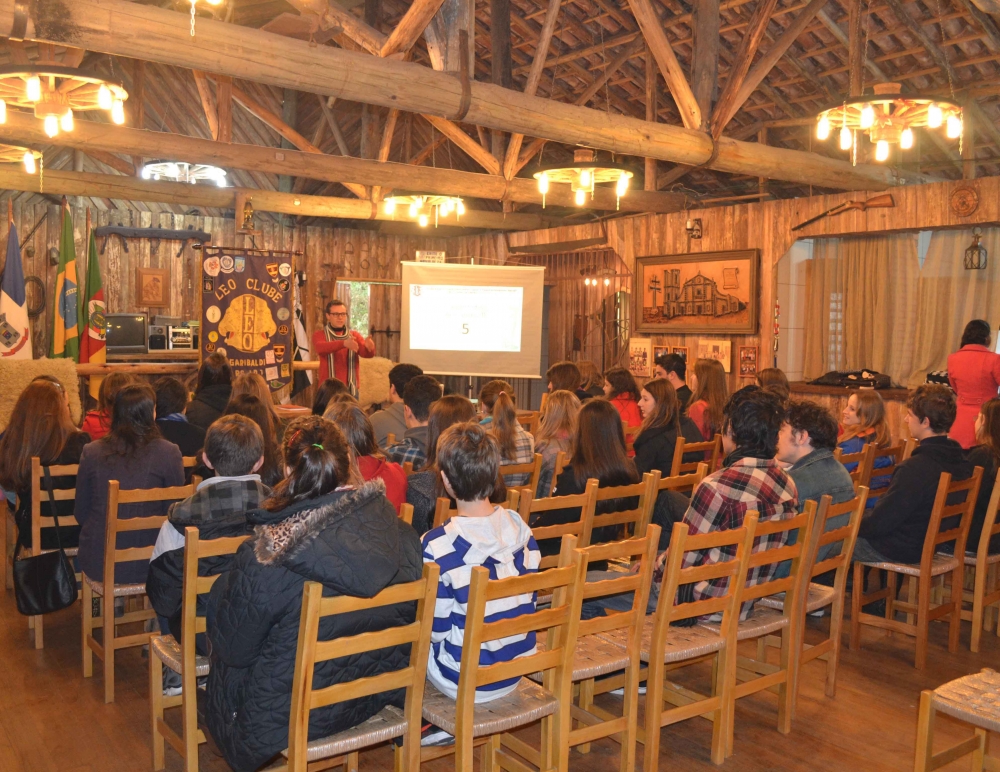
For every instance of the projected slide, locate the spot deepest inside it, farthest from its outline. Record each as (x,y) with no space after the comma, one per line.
(465,318)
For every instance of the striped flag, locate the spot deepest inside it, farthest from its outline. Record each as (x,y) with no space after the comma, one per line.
(91,319)
(303,378)
(15,338)
(65,330)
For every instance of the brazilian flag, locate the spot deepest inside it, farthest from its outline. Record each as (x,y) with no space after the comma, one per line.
(65,326)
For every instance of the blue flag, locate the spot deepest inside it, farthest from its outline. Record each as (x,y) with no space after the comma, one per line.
(14,330)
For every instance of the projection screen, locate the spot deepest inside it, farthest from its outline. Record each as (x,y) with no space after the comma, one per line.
(472,319)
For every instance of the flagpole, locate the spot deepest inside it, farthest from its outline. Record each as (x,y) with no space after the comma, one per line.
(10,211)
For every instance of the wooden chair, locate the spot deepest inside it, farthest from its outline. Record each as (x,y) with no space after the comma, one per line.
(390,439)
(630,432)
(562,459)
(531,468)
(684,483)
(819,596)
(635,520)
(111,641)
(665,648)
(862,473)
(487,723)
(713,449)
(443,510)
(190,462)
(897,455)
(181,657)
(40,493)
(581,528)
(755,675)
(407,468)
(391,722)
(931,565)
(972,699)
(406,513)
(529,420)
(986,567)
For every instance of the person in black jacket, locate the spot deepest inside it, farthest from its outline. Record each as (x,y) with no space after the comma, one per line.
(987,455)
(215,386)
(314,527)
(897,526)
(171,399)
(674,368)
(662,422)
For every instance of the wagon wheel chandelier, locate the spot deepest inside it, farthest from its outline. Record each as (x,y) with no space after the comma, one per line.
(53,92)
(181,171)
(583,176)
(16,154)
(889,118)
(421,207)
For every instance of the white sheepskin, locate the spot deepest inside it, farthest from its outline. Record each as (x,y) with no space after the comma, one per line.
(16,374)
(373,380)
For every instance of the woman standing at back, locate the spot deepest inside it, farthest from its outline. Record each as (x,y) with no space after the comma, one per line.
(516,445)
(974,374)
(622,392)
(555,435)
(708,398)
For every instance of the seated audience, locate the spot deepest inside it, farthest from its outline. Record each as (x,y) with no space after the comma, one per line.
(662,424)
(566,375)
(555,435)
(254,384)
(171,399)
(271,471)
(234,449)
(325,391)
(591,380)
(985,454)
(134,454)
(97,423)
(371,463)
(750,479)
(315,526)
(215,385)
(418,396)
(424,487)
(622,392)
(864,421)
(673,368)
(895,529)
(708,398)
(516,445)
(390,420)
(480,534)
(40,425)
(774,380)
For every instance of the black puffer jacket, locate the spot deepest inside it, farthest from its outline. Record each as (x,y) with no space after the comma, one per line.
(354,544)
(208,405)
(654,448)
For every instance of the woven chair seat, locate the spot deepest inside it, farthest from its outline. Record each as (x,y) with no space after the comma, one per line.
(528,703)
(972,559)
(942,564)
(973,698)
(682,642)
(763,621)
(169,651)
(385,725)
(820,596)
(121,590)
(594,656)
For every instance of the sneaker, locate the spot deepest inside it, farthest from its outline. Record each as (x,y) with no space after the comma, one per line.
(171,683)
(432,735)
(621,692)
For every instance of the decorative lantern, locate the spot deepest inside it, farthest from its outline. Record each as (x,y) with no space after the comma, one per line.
(975,255)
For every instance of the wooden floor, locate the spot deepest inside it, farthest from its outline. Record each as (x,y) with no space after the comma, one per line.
(51,718)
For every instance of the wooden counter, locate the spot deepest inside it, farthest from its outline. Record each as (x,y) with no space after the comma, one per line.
(835,399)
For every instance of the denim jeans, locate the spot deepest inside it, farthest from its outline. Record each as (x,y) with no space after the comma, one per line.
(597,607)
(866,553)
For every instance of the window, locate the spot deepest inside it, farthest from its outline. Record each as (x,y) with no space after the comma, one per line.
(360,293)
(835,352)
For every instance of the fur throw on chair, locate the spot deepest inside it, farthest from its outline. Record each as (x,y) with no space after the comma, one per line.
(373,381)
(17,374)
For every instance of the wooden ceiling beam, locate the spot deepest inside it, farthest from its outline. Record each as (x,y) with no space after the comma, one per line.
(326,106)
(465,143)
(705,68)
(855,47)
(207,102)
(224,104)
(410,27)
(117,163)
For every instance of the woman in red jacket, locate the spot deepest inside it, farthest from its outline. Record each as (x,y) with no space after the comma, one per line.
(974,374)
(622,392)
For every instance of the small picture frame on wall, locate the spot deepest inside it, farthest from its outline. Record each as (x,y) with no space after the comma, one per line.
(748,361)
(722,350)
(659,351)
(640,357)
(152,287)
(682,350)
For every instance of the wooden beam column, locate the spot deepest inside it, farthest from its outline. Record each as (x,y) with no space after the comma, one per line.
(500,61)
(968,145)
(649,177)
(137,105)
(224,98)
(207,102)
(855,47)
(705,75)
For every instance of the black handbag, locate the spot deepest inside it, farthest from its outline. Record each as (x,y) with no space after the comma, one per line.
(45,583)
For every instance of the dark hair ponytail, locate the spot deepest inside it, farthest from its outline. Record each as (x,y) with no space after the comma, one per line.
(498,398)
(315,451)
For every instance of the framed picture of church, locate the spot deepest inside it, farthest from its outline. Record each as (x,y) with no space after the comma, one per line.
(708,292)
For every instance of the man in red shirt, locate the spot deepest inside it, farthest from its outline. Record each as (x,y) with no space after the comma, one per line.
(339,348)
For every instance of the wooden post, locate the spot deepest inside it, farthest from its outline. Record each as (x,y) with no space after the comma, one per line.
(224,100)
(649,182)
(968,145)
(762,181)
(705,75)
(137,103)
(500,64)
(855,47)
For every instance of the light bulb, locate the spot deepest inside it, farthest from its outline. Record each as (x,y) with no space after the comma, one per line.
(173,170)
(543,183)
(51,125)
(390,206)
(845,138)
(587,281)
(934,116)
(867,116)
(422,221)
(146,173)
(622,187)
(447,207)
(33,88)
(414,209)
(954,127)
(585,178)
(823,128)
(221,181)
(215,2)
(881,150)
(104,98)
(29,162)
(3,111)
(118,112)
(460,207)
(906,138)
(581,197)
(66,122)
(607,282)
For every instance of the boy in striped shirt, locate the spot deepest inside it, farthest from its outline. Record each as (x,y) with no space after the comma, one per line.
(480,534)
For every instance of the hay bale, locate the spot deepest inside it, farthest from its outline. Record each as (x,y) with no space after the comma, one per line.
(373,380)
(18,373)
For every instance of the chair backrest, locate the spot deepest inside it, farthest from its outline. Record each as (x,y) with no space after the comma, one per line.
(991,526)
(406,513)
(897,454)
(114,526)
(631,432)
(407,468)
(529,420)
(444,511)
(189,462)
(861,475)
(712,448)
(944,527)
(390,439)
(580,528)
(40,493)
(792,584)
(635,520)
(532,468)
(684,483)
(562,459)
(306,696)
(846,535)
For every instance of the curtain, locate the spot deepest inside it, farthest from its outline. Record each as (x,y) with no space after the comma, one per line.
(861,305)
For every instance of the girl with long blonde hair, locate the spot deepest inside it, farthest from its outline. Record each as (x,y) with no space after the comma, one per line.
(709,397)
(555,434)
(864,422)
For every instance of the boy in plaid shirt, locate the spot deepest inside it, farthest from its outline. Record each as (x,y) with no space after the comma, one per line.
(418,396)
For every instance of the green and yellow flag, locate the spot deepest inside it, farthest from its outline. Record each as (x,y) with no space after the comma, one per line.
(65,325)
(91,323)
